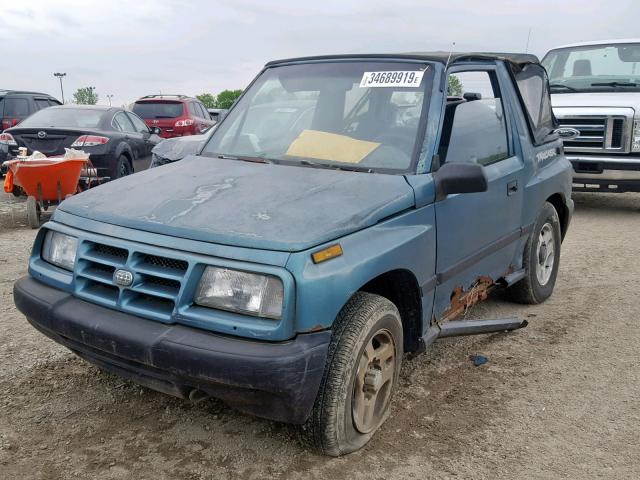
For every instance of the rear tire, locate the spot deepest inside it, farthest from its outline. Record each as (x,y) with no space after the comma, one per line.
(541,260)
(123,168)
(360,377)
(33,212)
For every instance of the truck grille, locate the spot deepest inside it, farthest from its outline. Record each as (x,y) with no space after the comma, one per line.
(598,133)
(157,280)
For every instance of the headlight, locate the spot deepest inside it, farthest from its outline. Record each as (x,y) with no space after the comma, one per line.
(250,293)
(635,146)
(60,249)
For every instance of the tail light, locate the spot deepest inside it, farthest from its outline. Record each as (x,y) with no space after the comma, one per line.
(89,141)
(8,123)
(187,122)
(7,139)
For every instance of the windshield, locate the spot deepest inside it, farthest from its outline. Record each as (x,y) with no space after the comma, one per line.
(154,110)
(65,117)
(594,68)
(351,115)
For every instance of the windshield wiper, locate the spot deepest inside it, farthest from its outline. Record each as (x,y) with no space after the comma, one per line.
(561,85)
(614,84)
(346,168)
(245,159)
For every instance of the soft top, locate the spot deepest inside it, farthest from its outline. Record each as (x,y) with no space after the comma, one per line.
(519,59)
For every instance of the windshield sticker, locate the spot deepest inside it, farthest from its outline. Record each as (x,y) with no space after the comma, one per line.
(403,78)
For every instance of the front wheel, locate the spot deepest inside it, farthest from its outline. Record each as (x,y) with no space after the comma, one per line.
(361,374)
(541,259)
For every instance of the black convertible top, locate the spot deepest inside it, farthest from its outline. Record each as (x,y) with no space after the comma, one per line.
(520,59)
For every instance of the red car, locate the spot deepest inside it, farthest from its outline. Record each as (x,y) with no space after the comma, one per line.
(175,115)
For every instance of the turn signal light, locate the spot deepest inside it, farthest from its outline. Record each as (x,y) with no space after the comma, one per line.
(327,254)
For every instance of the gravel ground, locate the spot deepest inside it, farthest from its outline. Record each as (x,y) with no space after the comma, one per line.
(558,399)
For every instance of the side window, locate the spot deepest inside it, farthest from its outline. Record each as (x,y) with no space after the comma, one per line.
(41,103)
(532,87)
(138,124)
(16,107)
(122,123)
(193,110)
(204,114)
(474,128)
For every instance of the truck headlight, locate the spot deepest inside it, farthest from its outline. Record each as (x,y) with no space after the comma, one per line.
(635,145)
(60,249)
(242,292)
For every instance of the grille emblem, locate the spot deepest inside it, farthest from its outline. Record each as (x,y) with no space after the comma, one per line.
(42,134)
(124,278)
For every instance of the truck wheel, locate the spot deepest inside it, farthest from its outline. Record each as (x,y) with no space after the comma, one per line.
(33,212)
(541,259)
(361,374)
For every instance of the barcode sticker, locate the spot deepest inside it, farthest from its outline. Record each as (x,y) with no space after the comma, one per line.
(398,78)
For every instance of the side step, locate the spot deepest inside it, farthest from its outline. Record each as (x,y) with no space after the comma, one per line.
(458,328)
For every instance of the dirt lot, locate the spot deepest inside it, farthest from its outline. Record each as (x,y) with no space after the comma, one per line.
(558,399)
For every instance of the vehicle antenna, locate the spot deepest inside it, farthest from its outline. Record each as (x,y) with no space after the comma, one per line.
(526,50)
(453,45)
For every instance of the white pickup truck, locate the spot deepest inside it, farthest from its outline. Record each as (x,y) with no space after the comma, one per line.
(595,89)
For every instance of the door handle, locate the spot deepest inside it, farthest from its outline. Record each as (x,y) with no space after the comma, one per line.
(512,187)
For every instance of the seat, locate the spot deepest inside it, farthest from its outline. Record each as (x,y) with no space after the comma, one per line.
(582,68)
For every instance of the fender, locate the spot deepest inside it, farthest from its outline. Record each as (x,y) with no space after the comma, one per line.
(405,242)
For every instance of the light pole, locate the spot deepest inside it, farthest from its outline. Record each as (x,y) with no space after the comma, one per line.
(60,75)
(110,96)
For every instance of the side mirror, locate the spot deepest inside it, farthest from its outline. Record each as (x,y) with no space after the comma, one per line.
(460,178)
(472,96)
(566,133)
(156,130)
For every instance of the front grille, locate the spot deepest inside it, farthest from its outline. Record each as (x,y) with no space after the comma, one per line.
(601,133)
(157,280)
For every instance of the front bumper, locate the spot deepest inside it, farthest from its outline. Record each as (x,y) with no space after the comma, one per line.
(605,174)
(278,381)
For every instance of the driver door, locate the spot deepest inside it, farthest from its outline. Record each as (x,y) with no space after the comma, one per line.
(477,233)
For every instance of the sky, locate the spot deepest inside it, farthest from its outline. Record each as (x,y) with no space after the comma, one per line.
(131,48)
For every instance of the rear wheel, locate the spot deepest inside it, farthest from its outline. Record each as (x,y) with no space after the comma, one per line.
(33,212)
(123,168)
(361,374)
(541,259)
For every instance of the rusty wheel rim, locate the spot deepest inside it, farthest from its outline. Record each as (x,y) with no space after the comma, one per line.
(374,382)
(546,254)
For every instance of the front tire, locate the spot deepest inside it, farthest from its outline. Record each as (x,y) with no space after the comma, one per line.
(541,260)
(360,377)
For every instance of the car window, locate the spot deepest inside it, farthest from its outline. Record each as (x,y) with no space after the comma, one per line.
(54,103)
(158,109)
(81,117)
(203,111)
(42,103)
(138,124)
(474,128)
(192,109)
(121,122)
(16,107)
(532,82)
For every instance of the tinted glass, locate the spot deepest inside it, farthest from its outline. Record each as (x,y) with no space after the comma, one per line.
(42,103)
(193,109)
(475,129)
(152,110)
(138,124)
(122,123)
(531,83)
(16,107)
(594,68)
(361,114)
(65,117)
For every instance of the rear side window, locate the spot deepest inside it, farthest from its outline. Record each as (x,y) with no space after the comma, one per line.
(533,88)
(156,110)
(139,125)
(42,103)
(121,122)
(203,111)
(474,128)
(193,109)
(16,107)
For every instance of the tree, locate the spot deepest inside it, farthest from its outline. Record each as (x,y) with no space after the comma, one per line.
(226,98)
(86,96)
(455,86)
(208,100)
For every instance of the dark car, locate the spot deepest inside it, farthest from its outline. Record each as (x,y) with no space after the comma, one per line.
(119,141)
(175,115)
(16,105)
(217,114)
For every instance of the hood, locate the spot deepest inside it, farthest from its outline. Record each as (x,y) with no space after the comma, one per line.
(609,99)
(177,148)
(254,205)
